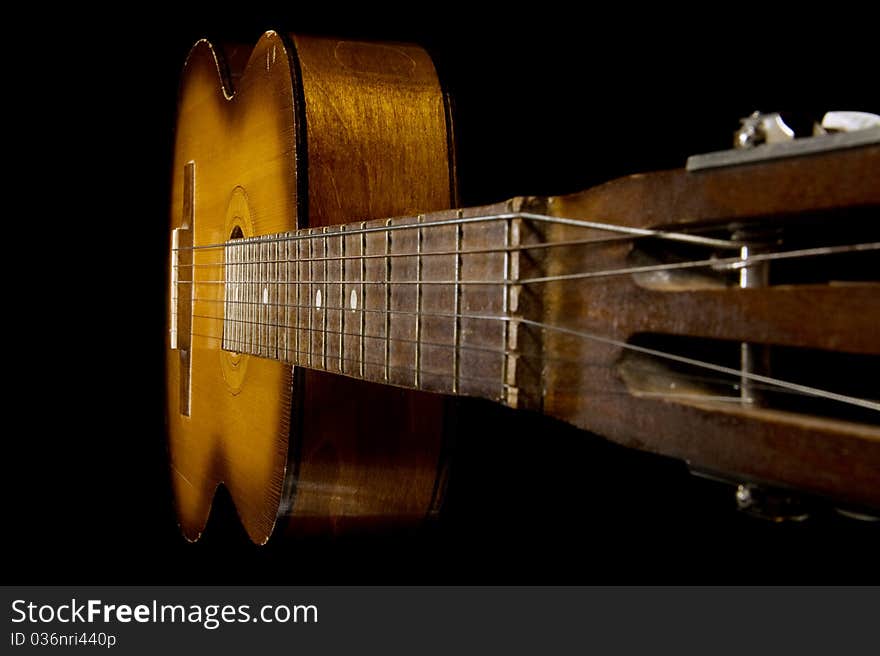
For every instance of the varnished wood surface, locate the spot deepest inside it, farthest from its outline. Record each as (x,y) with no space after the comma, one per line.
(237,431)
(826,457)
(374,121)
(377,147)
(517,343)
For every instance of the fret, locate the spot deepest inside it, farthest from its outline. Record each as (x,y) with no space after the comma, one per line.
(252,296)
(316,298)
(243,291)
(402,303)
(331,298)
(326,303)
(234,307)
(375,305)
(278,306)
(284,256)
(241,276)
(481,343)
(240,290)
(353,267)
(505,310)
(250,308)
(456,364)
(272,307)
(239,295)
(437,325)
(417,366)
(267,301)
(310,296)
(262,319)
(235,327)
(387,298)
(272,253)
(363,299)
(300,318)
(293,296)
(278,295)
(342,299)
(259,320)
(521,384)
(228,305)
(296,247)
(227,291)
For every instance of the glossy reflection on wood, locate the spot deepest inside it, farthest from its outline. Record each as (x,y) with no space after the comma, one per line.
(304,131)
(377,147)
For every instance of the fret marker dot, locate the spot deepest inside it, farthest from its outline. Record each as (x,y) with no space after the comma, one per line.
(318,299)
(353,301)
(265,295)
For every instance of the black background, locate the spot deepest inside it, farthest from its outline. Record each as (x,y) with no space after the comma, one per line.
(546,102)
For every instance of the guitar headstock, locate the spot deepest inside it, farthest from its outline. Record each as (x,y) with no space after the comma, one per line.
(726,314)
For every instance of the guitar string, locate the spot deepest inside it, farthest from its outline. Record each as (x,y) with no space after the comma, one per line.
(864,403)
(474,251)
(308,234)
(732,263)
(482,251)
(737,262)
(494,380)
(539,357)
(776,382)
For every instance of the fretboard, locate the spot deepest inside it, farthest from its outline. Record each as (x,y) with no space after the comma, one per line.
(425,302)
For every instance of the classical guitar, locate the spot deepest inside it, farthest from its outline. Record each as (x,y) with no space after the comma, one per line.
(327,297)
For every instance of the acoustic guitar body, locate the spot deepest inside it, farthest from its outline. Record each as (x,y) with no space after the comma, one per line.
(297,133)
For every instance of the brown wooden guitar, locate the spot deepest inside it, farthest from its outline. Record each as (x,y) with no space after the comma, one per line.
(325,301)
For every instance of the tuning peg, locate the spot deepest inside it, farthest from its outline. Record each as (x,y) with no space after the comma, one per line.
(759,128)
(845,122)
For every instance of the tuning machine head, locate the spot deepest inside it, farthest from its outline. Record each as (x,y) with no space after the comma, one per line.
(758,128)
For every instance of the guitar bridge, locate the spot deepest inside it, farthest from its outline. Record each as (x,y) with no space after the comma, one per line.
(180,321)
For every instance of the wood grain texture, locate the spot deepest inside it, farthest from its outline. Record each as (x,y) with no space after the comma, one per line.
(243,147)
(377,147)
(374,121)
(829,457)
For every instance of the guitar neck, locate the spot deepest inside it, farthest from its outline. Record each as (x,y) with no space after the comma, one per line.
(643,335)
(428,302)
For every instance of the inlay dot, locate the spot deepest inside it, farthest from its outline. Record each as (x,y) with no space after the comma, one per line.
(318,299)
(353,300)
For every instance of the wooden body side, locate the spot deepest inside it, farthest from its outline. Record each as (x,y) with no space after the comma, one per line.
(376,129)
